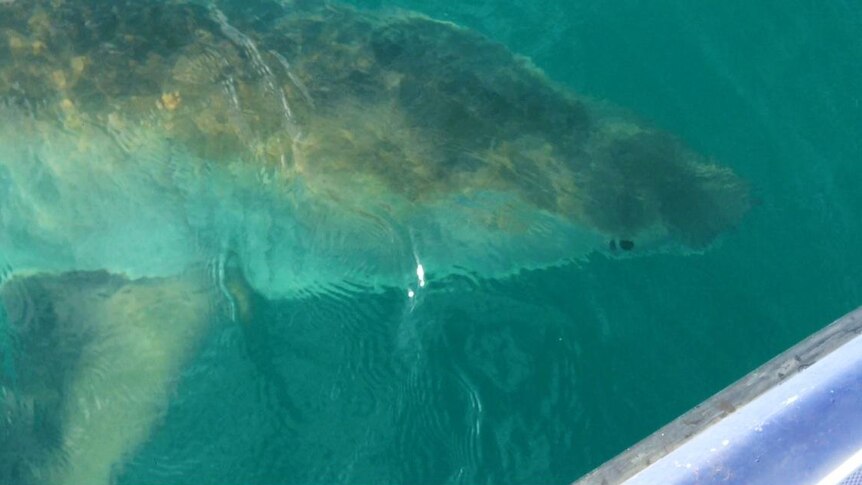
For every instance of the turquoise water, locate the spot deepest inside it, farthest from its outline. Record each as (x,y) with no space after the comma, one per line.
(540,377)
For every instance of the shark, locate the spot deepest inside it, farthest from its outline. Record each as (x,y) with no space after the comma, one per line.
(162,161)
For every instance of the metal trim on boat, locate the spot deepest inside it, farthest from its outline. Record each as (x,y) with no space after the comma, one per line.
(795,420)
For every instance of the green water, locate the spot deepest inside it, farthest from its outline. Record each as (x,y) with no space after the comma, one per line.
(543,376)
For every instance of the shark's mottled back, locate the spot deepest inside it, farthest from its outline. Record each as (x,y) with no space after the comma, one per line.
(320,143)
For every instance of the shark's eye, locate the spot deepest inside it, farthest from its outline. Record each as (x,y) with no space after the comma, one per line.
(627,245)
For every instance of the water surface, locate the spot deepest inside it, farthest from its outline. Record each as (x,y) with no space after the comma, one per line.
(541,376)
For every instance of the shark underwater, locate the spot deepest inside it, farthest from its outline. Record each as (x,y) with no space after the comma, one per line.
(162,159)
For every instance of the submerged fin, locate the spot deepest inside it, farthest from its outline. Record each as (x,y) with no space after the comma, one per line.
(99,356)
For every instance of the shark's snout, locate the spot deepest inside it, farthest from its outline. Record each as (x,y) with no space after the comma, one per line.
(646,186)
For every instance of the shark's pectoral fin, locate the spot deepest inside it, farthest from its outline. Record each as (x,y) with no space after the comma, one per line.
(120,345)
